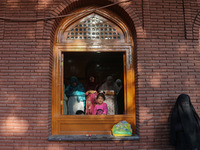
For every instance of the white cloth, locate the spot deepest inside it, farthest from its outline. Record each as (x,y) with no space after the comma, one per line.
(110,101)
(74,105)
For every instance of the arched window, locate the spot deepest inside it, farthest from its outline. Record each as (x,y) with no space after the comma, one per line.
(93,28)
(98,44)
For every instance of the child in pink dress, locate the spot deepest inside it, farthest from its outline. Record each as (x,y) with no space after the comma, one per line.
(101,107)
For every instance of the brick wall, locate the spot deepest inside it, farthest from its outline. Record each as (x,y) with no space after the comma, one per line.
(168,64)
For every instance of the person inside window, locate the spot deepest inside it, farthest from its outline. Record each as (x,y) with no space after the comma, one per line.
(76,94)
(101,107)
(185,125)
(117,86)
(90,95)
(119,96)
(108,88)
(120,99)
(91,84)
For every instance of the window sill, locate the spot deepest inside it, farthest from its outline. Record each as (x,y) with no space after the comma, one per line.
(91,138)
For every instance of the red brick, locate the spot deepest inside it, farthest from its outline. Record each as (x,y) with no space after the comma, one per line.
(167,64)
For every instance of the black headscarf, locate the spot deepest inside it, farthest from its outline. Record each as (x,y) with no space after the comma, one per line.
(91,84)
(185,125)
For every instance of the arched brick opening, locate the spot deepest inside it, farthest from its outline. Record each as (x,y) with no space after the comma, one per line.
(196,27)
(129,17)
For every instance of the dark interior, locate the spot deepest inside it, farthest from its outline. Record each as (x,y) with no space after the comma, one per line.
(98,64)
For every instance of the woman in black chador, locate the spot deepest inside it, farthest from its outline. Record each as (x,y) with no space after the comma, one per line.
(185,125)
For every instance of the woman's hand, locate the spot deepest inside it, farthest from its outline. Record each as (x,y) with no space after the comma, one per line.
(109,92)
(91,92)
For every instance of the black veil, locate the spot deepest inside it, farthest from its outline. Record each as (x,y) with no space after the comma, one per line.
(185,125)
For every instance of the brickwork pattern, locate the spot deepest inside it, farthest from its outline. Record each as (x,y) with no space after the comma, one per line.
(167,64)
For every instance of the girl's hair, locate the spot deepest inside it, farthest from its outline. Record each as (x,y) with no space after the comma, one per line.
(102,95)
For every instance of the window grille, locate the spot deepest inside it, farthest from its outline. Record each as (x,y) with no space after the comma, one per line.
(93,27)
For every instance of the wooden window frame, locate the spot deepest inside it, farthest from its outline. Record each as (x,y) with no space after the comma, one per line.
(91,124)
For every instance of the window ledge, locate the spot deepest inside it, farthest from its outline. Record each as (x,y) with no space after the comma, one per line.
(91,138)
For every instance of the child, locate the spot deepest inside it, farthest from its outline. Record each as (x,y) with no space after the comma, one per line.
(90,102)
(101,107)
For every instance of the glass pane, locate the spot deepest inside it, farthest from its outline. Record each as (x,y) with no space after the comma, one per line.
(91,73)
